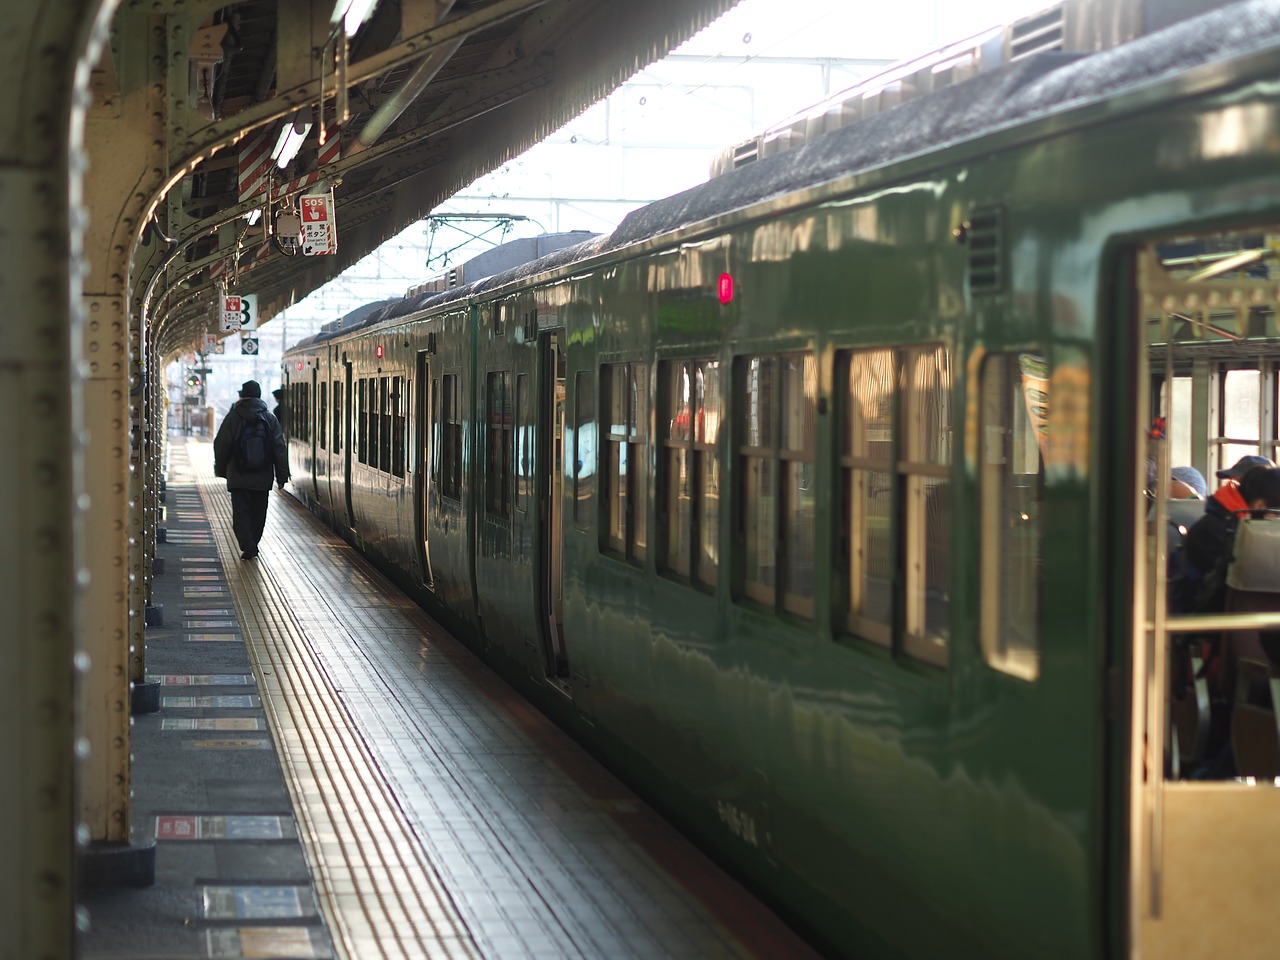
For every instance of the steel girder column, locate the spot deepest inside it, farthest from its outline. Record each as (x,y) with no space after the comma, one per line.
(153,455)
(45,54)
(125,141)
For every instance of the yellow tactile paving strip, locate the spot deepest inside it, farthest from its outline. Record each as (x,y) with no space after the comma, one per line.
(380,895)
(443,815)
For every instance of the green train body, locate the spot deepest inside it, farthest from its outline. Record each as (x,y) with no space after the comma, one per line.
(790,661)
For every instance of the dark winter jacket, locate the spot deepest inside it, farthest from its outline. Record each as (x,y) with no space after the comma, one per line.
(224,448)
(1205,552)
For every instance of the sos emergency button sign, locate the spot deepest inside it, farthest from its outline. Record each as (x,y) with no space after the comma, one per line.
(319,231)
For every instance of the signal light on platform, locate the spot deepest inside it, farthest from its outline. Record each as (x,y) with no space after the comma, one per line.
(193,380)
(377,351)
(724,288)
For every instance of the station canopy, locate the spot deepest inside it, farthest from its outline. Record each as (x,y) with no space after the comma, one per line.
(420,98)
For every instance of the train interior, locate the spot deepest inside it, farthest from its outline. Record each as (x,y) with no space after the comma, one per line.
(1205,753)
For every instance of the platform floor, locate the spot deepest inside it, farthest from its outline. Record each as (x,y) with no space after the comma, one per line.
(413,806)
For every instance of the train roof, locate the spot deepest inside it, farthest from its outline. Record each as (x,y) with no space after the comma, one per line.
(1024,90)
(1004,97)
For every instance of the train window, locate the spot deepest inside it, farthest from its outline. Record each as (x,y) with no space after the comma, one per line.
(323,419)
(1011,501)
(675,468)
(1177,406)
(524,443)
(584,448)
(776,420)
(1241,421)
(398,407)
(498,441)
(383,424)
(625,387)
(337,416)
(451,481)
(708,413)
(689,468)
(436,425)
(362,412)
(926,387)
(867,472)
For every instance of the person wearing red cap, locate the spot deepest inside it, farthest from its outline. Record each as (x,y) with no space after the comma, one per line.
(1251,487)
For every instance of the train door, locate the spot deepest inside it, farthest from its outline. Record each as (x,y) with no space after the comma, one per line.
(551,430)
(313,429)
(349,434)
(1204,751)
(422,462)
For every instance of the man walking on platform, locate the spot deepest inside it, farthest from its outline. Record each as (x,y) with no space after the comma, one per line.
(248,452)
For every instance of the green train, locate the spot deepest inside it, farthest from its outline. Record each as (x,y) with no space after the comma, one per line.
(811,499)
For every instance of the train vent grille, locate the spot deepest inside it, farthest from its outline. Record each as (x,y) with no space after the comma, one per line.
(745,153)
(984,237)
(1037,34)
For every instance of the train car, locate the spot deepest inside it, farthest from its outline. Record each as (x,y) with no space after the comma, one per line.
(812,499)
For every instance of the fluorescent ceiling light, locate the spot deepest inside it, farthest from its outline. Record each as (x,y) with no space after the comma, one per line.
(292,135)
(352,13)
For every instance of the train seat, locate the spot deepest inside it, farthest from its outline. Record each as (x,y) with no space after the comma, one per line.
(1182,514)
(1253,657)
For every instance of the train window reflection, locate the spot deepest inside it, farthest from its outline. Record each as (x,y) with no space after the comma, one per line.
(689,468)
(524,444)
(324,413)
(1011,498)
(498,441)
(868,491)
(896,490)
(625,387)
(451,419)
(777,399)
(337,416)
(584,448)
(374,419)
(437,426)
(362,434)
(398,431)
(927,415)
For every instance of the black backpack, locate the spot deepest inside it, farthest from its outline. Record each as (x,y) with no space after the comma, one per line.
(253,446)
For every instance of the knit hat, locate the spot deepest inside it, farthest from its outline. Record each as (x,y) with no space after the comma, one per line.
(1193,478)
(250,388)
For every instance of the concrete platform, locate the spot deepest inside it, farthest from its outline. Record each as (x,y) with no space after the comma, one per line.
(372,790)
